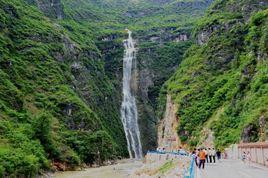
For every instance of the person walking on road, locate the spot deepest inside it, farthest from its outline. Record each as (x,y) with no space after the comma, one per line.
(202,157)
(225,155)
(206,155)
(213,154)
(243,156)
(197,157)
(218,154)
(210,155)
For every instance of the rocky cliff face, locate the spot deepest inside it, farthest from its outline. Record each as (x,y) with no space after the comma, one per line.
(167,134)
(160,52)
(155,62)
(153,68)
(225,71)
(58,106)
(51,8)
(86,75)
(194,4)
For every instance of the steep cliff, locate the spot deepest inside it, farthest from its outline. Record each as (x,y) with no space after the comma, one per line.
(61,71)
(222,82)
(51,8)
(163,32)
(167,134)
(61,78)
(58,108)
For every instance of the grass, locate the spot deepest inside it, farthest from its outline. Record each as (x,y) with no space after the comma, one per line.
(166,167)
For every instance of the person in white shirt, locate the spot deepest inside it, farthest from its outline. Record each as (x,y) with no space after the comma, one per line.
(206,151)
(210,155)
(213,154)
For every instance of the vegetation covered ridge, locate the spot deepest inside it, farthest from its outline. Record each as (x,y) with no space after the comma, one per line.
(222,83)
(61,73)
(54,106)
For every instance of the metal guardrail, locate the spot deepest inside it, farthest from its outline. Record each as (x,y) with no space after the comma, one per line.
(190,173)
(165,152)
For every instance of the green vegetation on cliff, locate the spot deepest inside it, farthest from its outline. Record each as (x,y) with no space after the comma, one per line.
(163,33)
(223,79)
(57,106)
(61,72)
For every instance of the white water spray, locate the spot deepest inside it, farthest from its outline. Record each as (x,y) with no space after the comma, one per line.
(129,114)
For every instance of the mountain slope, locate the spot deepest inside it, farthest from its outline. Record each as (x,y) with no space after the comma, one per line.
(164,33)
(222,82)
(61,73)
(54,107)
(162,30)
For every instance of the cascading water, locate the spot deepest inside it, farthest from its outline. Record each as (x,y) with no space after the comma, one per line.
(129,114)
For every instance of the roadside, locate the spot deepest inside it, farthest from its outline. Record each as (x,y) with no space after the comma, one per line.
(163,165)
(232,169)
(122,169)
(153,166)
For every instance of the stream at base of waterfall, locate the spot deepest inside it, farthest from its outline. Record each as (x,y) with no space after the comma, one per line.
(129,114)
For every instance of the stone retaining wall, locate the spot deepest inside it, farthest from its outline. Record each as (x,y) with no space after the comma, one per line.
(258,152)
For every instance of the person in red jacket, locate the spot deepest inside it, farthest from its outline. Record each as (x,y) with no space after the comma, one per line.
(202,157)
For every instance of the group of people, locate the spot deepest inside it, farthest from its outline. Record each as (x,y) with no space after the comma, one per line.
(204,155)
(161,150)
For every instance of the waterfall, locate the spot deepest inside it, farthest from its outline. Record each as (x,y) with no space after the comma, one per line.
(129,114)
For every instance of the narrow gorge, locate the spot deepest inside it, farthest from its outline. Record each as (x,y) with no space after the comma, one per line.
(79,90)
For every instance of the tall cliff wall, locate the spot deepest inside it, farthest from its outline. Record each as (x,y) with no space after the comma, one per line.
(222,82)
(51,8)
(167,127)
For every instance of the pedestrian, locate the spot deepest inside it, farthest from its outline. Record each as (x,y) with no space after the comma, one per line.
(225,154)
(197,160)
(159,150)
(180,150)
(248,157)
(218,154)
(213,154)
(243,156)
(210,155)
(202,157)
(193,152)
(206,154)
